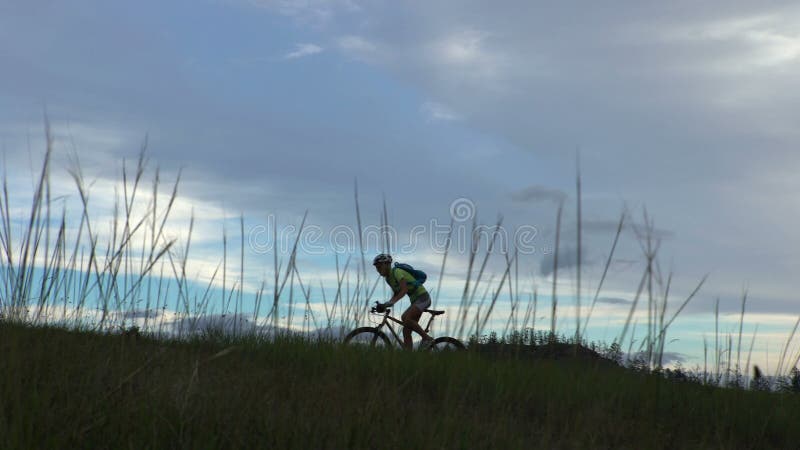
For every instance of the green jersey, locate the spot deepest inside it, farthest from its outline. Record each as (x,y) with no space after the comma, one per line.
(414,289)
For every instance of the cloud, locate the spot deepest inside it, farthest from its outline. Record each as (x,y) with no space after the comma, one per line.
(358,47)
(601,226)
(317,13)
(464,49)
(141,314)
(643,231)
(303,50)
(614,300)
(567,257)
(538,193)
(610,227)
(767,39)
(437,111)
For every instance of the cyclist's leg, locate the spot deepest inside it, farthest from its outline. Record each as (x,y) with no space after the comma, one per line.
(408,343)
(411,320)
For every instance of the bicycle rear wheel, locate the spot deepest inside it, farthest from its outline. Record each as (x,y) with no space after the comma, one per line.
(445,344)
(369,337)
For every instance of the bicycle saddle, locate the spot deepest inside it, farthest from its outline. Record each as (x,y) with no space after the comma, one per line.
(434,312)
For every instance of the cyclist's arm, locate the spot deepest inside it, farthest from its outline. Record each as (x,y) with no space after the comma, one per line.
(400,293)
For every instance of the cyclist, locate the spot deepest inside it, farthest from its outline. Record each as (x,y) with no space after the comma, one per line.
(403,283)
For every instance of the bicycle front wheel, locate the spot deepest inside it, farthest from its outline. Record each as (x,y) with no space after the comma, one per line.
(369,337)
(446,343)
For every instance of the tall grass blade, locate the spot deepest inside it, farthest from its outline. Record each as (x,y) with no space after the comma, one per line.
(554,298)
(605,268)
(444,261)
(579,249)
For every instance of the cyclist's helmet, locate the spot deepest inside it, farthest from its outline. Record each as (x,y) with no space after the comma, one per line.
(382,258)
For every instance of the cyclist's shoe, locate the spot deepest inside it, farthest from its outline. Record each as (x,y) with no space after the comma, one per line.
(426,344)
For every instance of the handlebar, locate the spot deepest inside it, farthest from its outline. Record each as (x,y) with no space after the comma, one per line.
(374,309)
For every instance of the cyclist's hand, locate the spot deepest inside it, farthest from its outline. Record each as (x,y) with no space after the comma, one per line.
(381,307)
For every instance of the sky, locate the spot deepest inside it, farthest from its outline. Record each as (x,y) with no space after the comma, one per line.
(273,108)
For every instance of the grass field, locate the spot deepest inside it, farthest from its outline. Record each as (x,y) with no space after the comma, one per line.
(68,389)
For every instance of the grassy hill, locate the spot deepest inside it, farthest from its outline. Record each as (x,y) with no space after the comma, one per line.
(66,389)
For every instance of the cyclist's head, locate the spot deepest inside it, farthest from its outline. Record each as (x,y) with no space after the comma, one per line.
(382,263)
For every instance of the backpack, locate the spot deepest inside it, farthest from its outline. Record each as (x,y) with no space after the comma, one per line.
(419,276)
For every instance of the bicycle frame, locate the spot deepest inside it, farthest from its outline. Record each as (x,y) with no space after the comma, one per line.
(387,318)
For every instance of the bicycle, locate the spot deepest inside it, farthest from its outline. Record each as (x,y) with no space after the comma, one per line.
(374,337)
